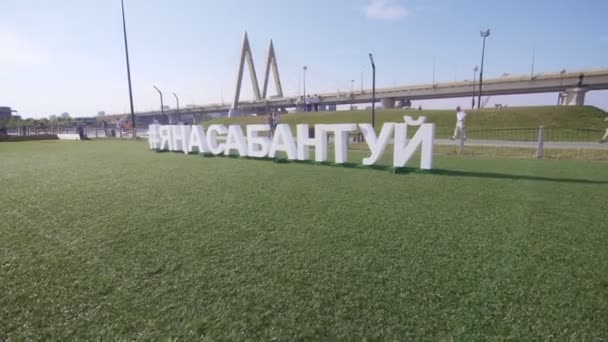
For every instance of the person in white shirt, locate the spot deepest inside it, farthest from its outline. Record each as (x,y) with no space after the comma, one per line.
(315,101)
(605,137)
(460,130)
(308,105)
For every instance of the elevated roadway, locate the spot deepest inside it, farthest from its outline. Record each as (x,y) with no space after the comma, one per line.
(571,87)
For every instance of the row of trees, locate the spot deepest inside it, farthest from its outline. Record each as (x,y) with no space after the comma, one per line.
(53,120)
(64,119)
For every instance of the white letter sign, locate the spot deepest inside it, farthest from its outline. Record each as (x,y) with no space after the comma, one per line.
(256,144)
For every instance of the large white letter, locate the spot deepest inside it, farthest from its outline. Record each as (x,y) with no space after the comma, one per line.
(153,136)
(283,141)
(212,133)
(180,137)
(164,133)
(235,141)
(253,140)
(341,140)
(403,150)
(305,142)
(198,140)
(376,145)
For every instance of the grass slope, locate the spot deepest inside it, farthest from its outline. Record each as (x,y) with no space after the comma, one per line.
(527,117)
(478,120)
(108,240)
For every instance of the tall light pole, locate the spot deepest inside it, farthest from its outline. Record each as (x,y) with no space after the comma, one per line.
(124,29)
(474,89)
(561,84)
(433,71)
(532,69)
(299,86)
(179,119)
(484,35)
(361,80)
(304,68)
(371,59)
(352,93)
(162,105)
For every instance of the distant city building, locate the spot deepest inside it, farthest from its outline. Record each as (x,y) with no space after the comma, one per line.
(5,113)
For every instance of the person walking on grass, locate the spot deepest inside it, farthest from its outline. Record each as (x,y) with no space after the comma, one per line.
(605,137)
(460,129)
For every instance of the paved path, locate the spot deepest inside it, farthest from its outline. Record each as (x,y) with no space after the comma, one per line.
(526,144)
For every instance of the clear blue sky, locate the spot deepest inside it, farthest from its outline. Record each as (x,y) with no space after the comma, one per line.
(67,55)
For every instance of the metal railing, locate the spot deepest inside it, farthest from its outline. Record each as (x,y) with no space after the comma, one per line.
(527,134)
(523,134)
(91,132)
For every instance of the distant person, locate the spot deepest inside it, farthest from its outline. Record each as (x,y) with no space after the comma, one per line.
(270,122)
(276,118)
(119,128)
(460,129)
(315,102)
(419,107)
(80,131)
(104,125)
(308,104)
(128,127)
(605,137)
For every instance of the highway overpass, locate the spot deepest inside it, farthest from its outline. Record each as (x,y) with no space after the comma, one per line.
(570,86)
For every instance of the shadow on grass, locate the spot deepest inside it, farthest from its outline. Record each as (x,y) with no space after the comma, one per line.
(443,172)
(408,170)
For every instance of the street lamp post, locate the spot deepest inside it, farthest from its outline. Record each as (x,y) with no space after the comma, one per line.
(352,93)
(124,29)
(304,68)
(361,81)
(561,84)
(162,105)
(371,59)
(484,35)
(179,119)
(474,88)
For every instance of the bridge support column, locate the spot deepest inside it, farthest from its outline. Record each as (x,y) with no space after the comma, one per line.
(388,103)
(172,118)
(573,97)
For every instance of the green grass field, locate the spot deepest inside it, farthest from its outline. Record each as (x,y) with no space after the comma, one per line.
(517,123)
(107,240)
